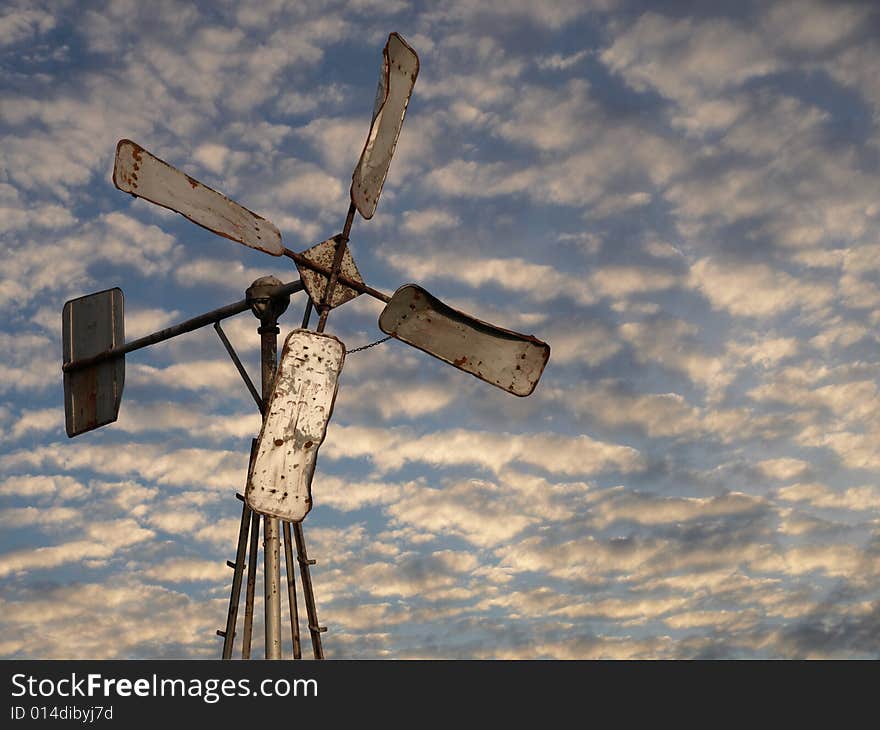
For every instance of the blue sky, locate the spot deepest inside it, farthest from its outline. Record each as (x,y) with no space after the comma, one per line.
(681,198)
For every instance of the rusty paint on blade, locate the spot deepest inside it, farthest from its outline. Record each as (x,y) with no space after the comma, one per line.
(91,325)
(400,67)
(509,360)
(140,173)
(315,282)
(299,409)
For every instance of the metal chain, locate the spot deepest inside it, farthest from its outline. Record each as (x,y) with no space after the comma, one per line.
(366,347)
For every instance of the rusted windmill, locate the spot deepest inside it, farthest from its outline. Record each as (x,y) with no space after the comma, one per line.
(298,393)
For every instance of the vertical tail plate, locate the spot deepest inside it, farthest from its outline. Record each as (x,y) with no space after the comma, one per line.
(91,325)
(297,414)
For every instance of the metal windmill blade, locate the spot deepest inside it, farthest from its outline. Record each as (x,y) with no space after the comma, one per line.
(140,173)
(400,67)
(297,413)
(506,359)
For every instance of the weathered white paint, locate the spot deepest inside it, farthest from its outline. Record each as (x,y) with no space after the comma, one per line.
(138,172)
(509,360)
(315,282)
(396,80)
(298,411)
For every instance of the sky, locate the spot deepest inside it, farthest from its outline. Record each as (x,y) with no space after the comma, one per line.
(680,198)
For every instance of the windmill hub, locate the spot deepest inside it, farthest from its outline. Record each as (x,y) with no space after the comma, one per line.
(263,304)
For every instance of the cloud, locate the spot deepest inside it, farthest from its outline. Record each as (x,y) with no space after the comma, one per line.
(32,516)
(145,621)
(648,509)
(100,542)
(18,24)
(420,222)
(393,399)
(204,468)
(864,498)
(433,577)
(347,496)
(553,14)
(591,342)
(756,290)
(560,62)
(687,58)
(42,420)
(538,281)
(813,26)
(557,454)
(43,486)
(337,140)
(181,570)
(138,418)
(482,513)
(672,344)
(550,120)
(193,375)
(229,274)
(51,217)
(658,414)
(832,560)
(783,469)
(113,238)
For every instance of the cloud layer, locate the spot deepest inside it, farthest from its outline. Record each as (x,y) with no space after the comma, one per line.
(682,202)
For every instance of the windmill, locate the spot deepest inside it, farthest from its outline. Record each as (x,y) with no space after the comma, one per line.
(299,392)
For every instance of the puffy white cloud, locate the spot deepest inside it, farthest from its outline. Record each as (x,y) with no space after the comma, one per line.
(100,542)
(756,290)
(21,23)
(553,13)
(214,469)
(30,516)
(72,621)
(560,62)
(783,469)
(862,498)
(539,281)
(813,26)
(420,222)
(43,486)
(687,58)
(557,454)
(592,343)
(41,420)
(180,570)
(658,414)
(672,344)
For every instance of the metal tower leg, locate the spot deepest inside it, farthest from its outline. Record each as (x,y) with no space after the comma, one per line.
(291,592)
(234,597)
(306,577)
(251,586)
